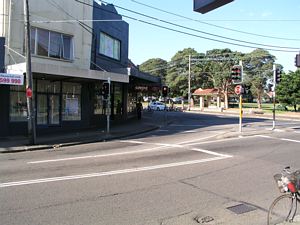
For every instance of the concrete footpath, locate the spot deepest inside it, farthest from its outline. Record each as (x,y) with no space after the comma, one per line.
(127,128)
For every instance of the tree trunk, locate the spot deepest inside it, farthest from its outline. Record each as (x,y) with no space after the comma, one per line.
(259,101)
(226,100)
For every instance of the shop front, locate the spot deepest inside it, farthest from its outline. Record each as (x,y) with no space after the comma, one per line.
(63,103)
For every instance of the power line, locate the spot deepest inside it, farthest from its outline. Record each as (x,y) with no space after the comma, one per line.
(189,34)
(210,24)
(83,25)
(188,28)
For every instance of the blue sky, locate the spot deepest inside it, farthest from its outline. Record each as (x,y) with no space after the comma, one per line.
(279,19)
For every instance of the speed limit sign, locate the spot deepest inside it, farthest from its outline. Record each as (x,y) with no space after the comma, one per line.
(238,89)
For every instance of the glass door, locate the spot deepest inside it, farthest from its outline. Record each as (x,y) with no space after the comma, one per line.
(42,109)
(53,109)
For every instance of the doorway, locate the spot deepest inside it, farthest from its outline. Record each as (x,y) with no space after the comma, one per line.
(48,103)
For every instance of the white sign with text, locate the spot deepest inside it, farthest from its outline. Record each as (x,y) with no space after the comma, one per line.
(11,79)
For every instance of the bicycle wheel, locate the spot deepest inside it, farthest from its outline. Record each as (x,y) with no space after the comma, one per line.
(281,210)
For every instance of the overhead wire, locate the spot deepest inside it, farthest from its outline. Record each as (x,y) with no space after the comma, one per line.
(214,25)
(183,32)
(186,33)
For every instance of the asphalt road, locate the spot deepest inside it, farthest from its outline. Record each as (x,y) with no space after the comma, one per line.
(180,174)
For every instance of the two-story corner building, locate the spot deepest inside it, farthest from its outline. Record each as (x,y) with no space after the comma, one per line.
(76,46)
(64,83)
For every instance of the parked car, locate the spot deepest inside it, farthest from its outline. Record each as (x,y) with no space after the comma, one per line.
(177,100)
(157,106)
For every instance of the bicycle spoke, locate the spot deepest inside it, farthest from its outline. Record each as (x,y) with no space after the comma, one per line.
(281,210)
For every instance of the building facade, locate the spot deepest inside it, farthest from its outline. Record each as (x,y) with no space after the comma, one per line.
(75,48)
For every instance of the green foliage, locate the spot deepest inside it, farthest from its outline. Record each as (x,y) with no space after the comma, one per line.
(258,67)
(156,67)
(178,72)
(288,90)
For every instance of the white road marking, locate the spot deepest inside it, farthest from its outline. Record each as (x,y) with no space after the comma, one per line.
(282,139)
(290,140)
(211,152)
(109,173)
(182,125)
(99,156)
(161,146)
(189,131)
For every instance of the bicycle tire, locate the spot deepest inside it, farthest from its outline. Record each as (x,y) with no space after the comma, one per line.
(281,209)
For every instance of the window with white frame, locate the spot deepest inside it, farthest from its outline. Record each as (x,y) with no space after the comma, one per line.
(109,46)
(51,44)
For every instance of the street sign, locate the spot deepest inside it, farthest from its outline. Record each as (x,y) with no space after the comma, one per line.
(28,92)
(11,79)
(238,89)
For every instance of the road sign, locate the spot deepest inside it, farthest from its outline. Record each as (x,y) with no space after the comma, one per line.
(238,89)
(11,79)
(28,92)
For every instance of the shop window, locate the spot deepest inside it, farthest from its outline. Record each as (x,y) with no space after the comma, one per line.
(109,46)
(99,103)
(118,99)
(131,102)
(71,107)
(51,44)
(18,104)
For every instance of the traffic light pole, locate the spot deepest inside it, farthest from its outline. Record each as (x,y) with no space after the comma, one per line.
(108,108)
(241,113)
(241,99)
(274,95)
(189,85)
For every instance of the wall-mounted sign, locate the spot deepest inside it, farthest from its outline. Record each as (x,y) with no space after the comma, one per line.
(11,79)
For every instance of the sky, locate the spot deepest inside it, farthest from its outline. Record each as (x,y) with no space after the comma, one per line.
(262,22)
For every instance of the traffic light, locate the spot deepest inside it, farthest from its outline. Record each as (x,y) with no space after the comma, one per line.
(278,75)
(297,60)
(105,90)
(236,74)
(165,91)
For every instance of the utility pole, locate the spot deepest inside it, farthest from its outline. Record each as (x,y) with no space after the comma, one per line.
(29,81)
(189,90)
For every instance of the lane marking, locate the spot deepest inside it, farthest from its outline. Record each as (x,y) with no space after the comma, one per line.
(211,152)
(159,148)
(109,173)
(290,140)
(182,125)
(282,139)
(99,156)
(189,131)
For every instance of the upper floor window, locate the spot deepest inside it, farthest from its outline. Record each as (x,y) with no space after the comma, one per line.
(51,44)
(109,46)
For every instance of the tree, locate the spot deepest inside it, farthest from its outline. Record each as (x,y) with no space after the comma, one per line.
(288,90)
(219,67)
(177,74)
(156,67)
(258,67)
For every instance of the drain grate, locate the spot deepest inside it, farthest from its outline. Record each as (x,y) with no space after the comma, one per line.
(241,208)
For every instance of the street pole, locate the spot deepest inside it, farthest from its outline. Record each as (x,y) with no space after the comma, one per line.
(189,89)
(29,81)
(274,94)
(108,108)
(241,99)
(241,113)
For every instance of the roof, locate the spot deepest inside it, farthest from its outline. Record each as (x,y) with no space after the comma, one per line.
(205,92)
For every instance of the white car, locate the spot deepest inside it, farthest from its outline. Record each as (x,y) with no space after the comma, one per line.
(157,106)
